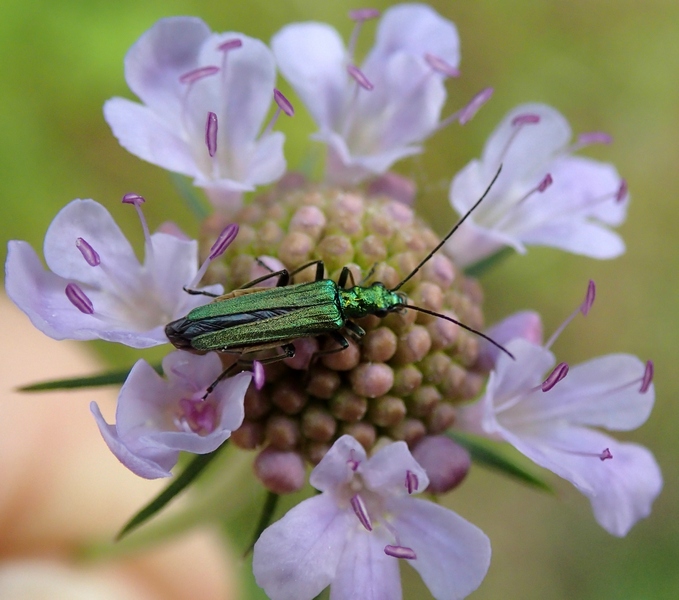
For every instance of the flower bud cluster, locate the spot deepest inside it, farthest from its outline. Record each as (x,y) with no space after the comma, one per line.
(404,377)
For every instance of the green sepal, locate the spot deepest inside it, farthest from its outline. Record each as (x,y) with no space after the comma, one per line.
(108,378)
(178,484)
(188,193)
(265,518)
(491,455)
(486,264)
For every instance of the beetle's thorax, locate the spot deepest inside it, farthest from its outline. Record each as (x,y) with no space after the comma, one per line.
(376,299)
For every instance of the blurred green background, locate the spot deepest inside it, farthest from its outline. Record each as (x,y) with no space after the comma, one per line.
(610,65)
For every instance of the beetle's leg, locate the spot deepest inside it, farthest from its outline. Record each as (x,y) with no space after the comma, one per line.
(339,338)
(344,275)
(283,276)
(354,330)
(288,352)
(193,292)
(369,274)
(320,269)
(215,383)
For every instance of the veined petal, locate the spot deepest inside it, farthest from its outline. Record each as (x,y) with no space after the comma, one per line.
(297,557)
(134,417)
(417,29)
(578,237)
(268,162)
(174,265)
(312,57)
(365,571)
(249,76)
(41,295)
(453,555)
(335,468)
(603,392)
(524,324)
(385,472)
(626,489)
(156,464)
(89,220)
(155,63)
(525,153)
(145,133)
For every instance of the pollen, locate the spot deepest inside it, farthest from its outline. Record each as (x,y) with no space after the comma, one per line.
(403,378)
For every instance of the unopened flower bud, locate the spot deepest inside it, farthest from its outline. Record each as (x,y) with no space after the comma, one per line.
(279,471)
(445,462)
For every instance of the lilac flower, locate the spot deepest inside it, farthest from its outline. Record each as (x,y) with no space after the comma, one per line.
(545,195)
(549,414)
(205,97)
(96,287)
(373,116)
(351,535)
(156,418)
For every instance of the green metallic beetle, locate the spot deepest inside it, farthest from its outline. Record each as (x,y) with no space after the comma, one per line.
(251,318)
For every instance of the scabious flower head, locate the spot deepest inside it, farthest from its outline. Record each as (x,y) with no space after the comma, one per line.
(550,414)
(405,376)
(374,115)
(96,288)
(205,97)
(354,533)
(156,418)
(352,397)
(545,194)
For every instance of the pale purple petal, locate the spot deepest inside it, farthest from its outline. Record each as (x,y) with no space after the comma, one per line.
(453,555)
(338,464)
(229,396)
(268,162)
(249,78)
(156,462)
(525,151)
(41,295)
(578,237)
(386,470)
(311,56)
(523,324)
(626,488)
(92,222)
(516,377)
(145,133)
(160,57)
(174,265)
(142,402)
(417,29)
(365,571)
(603,392)
(297,557)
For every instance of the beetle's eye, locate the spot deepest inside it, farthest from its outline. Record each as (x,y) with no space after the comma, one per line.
(380,313)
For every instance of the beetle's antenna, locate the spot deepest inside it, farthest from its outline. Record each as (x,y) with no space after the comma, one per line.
(476,331)
(451,232)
